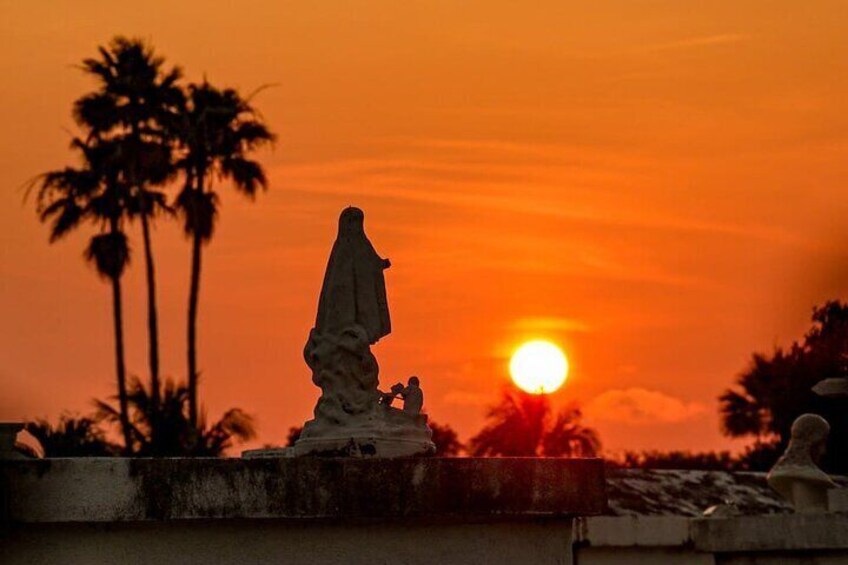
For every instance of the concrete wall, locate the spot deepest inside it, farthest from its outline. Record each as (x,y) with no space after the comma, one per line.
(276,542)
(798,558)
(116,490)
(775,539)
(409,511)
(292,511)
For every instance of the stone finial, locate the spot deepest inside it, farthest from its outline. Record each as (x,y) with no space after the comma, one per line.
(795,476)
(835,387)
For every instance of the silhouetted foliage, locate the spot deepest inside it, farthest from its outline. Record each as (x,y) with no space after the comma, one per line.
(177,436)
(293,435)
(706,461)
(139,129)
(760,456)
(446,440)
(71,437)
(776,389)
(216,131)
(521,424)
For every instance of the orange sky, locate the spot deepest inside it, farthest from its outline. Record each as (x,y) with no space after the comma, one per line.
(657,185)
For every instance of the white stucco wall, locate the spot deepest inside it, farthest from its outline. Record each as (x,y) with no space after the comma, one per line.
(770,539)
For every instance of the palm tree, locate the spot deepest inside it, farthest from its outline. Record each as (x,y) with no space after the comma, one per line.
(446,440)
(94,192)
(134,97)
(568,437)
(520,426)
(71,437)
(516,426)
(164,429)
(216,131)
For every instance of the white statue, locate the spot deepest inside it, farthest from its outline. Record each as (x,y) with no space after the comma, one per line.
(354,289)
(353,417)
(795,476)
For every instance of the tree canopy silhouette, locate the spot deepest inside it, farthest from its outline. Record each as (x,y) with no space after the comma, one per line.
(446,440)
(71,437)
(177,436)
(704,461)
(522,424)
(775,389)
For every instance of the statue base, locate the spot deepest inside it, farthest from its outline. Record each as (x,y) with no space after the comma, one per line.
(385,433)
(363,446)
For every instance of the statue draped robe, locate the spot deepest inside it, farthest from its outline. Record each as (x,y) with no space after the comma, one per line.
(354,289)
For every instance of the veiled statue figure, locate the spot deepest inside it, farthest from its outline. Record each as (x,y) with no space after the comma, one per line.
(354,289)
(352,416)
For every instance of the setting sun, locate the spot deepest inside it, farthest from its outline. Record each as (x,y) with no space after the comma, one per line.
(538,367)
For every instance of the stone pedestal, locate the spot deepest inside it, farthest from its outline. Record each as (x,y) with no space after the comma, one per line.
(349,420)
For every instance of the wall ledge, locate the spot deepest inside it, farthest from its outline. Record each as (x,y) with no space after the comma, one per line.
(130,490)
(777,532)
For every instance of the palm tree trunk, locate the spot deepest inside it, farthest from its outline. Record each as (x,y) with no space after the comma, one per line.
(194,292)
(152,323)
(117,314)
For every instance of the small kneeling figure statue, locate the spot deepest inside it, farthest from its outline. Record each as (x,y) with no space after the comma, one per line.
(413,396)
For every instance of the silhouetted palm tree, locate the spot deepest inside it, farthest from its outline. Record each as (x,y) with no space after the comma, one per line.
(775,389)
(71,437)
(216,129)
(446,440)
(95,193)
(175,435)
(134,97)
(520,425)
(568,437)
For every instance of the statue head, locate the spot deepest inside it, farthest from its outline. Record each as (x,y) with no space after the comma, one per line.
(351,222)
(809,434)
(413,381)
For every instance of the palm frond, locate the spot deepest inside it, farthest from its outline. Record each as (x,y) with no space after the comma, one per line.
(247,175)
(110,253)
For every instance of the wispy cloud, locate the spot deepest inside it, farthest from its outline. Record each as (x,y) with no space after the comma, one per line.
(700,41)
(542,324)
(639,406)
(487,185)
(465,398)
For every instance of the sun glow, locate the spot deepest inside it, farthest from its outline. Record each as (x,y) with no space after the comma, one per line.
(538,367)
